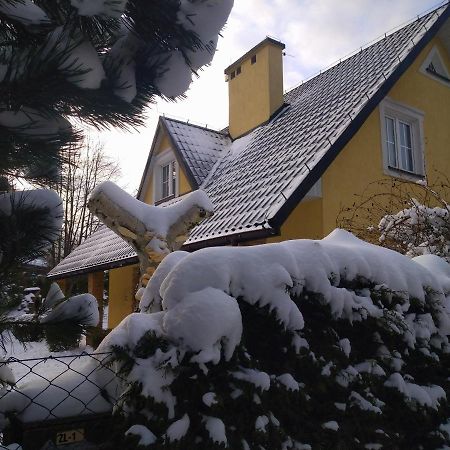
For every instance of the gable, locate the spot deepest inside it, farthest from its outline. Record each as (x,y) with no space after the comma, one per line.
(162,152)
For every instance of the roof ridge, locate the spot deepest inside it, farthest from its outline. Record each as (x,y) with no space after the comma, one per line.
(192,124)
(442,4)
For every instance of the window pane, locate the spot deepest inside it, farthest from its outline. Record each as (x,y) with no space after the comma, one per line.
(390,142)
(174,178)
(165,172)
(406,151)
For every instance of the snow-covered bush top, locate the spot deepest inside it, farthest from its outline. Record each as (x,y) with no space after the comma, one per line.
(287,346)
(272,274)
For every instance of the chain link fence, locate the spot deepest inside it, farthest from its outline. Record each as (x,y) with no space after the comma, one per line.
(55,388)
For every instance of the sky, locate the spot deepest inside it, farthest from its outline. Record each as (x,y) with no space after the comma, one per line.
(317,33)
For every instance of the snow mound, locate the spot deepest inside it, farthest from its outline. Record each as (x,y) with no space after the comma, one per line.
(203,321)
(145,435)
(82,309)
(54,295)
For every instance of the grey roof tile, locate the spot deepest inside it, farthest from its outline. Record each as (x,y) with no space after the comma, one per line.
(103,248)
(200,147)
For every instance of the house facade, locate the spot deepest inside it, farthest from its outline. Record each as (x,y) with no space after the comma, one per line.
(288,163)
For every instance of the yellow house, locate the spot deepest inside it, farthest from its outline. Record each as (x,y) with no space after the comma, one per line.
(289,162)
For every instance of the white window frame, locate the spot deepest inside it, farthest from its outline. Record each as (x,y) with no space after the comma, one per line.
(412,117)
(162,160)
(435,54)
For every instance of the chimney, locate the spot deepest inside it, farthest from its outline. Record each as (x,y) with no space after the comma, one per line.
(255,86)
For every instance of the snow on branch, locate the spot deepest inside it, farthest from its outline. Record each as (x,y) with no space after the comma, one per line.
(153,231)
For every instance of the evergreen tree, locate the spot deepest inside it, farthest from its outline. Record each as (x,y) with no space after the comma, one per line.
(99,61)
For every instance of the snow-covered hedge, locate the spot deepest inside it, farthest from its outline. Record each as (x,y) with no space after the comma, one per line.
(304,344)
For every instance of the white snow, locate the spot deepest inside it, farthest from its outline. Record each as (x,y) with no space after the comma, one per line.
(205,322)
(261,423)
(216,430)
(259,379)
(345,346)
(25,12)
(82,309)
(54,295)
(362,403)
(178,429)
(29,121)
(120,65)
(370,367)
(209,399)
(204,56)
(154,222)
(267,274)
(176,75)
(423,395)
(206,18)
(151,300)
(79,56)
(6,374)
(145,435)
(49,384)
(38,198)
(99,7)
(84,58)
(288,381)
(331,425)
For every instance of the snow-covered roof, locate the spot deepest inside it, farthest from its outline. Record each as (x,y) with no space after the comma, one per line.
(256,181)
(199,147)
(102,250)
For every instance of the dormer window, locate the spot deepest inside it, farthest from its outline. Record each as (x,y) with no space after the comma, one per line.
(435,68)
(165,177)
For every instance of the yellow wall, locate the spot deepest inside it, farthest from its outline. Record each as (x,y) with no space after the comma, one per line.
(257,92)
(183,183)
(304,222)
(122,288)
(361,160)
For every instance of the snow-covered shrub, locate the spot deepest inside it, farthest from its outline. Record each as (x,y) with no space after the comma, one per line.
(304,344)
(337,344)
(412,218)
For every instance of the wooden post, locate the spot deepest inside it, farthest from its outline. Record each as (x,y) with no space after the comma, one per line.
(95,287)
(63,283)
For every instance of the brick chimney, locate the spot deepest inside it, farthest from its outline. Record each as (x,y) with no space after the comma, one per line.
(255,86)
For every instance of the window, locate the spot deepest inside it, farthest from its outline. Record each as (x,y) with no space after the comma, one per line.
(168,179)
(238,70)
(165,176)
(402,140)
(253,60)
(233,74)
(435,68)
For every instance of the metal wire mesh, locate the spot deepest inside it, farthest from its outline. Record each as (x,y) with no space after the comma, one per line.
(57,387)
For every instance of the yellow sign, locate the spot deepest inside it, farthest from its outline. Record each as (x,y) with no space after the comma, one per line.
(67,437)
